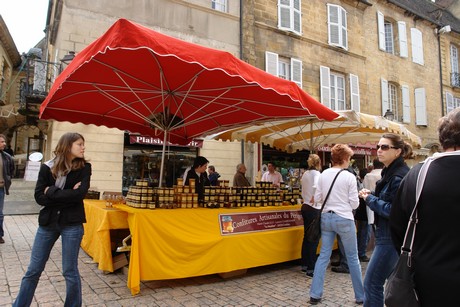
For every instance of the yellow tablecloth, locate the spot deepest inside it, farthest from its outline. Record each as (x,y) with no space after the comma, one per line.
(96,240)
(178,243)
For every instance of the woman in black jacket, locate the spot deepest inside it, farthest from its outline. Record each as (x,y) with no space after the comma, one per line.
(61,186)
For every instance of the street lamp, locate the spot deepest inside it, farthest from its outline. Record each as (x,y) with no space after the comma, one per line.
(68,57)
(389,115)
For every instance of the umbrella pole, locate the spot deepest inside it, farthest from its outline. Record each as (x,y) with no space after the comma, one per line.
(160,183)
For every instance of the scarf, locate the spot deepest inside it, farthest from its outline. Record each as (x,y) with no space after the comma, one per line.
(61,179)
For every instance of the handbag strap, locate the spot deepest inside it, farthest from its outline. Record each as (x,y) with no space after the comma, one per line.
(330,189)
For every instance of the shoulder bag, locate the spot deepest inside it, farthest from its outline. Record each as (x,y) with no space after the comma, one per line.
(313,232)
(400,288)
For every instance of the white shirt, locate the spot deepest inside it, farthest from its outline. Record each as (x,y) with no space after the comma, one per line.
(369,182)
(344,195)
(275,178)
(309,181)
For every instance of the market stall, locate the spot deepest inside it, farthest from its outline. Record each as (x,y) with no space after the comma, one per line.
(179,243)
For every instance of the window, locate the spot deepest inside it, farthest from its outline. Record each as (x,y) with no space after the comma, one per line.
(337,26)
(219,5)
(396,98)
(451,102)
(455,77)
(417,46)
(289,15)
(392,36)
(283,67)
(333,90)
(337,92)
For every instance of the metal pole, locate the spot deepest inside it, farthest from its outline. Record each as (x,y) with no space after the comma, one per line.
(162,159)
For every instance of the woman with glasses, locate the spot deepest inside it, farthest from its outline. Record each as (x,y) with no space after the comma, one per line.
(391,151)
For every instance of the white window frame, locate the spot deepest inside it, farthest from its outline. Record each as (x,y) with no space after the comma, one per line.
(285,68)
(389,43)
(338,103)
(455,78)
(290,15)
(420,107)
(220,5)
(393,99)
(337,26)
(450,102)
(417,46)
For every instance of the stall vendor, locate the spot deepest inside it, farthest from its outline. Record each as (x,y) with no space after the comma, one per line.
(198,172)
(272,175)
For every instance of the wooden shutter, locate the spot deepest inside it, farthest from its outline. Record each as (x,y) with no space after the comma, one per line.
(385,103)
(405,104)
(271,63)
(296,72)
(417,46)
(354,93)
(333,24)
(420,107)
(403,52)
(284,14)
(450,105)
(297,17)
(325,81)
(381,29)
(344,36)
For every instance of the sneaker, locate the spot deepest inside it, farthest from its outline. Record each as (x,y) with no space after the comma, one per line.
(2,241)
(314,301)
(359,302)
(340,269)
(364,259)
(309,274)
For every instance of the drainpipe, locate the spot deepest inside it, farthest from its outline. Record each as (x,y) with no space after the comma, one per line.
(440,71)
(241,29)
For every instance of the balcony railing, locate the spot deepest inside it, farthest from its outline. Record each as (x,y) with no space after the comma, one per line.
(455,79)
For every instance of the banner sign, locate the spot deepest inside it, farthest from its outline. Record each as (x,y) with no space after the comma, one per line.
(238,223)
(148,140)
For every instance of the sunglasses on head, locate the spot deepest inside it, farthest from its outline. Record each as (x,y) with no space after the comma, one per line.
(385,147)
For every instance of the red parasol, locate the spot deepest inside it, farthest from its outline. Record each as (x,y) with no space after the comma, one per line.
(133,78)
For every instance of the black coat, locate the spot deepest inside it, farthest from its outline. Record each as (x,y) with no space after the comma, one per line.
(436,247)
(8,170)
(62,206)
(200,182)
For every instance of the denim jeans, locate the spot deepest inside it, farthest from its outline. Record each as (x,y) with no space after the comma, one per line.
(2,203)
(308,259)
(44,241)
(382,263)
(332,225)
(363,234)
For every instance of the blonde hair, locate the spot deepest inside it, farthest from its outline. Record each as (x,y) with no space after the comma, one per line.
(314,162)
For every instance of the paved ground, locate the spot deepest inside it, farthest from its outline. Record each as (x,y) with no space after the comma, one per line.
(275,285)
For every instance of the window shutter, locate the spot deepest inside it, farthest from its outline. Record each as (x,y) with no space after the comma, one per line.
(417,46)
(403,52)
(354,92)
(297,27)
(381,29)
(271,63)
(333,24)
(450,105)
(325,81)
(296,72)
(344,38)
(385,103)
(405,104)
(284,14)
(420,107)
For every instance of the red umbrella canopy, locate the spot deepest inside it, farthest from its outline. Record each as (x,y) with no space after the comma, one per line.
(133,78)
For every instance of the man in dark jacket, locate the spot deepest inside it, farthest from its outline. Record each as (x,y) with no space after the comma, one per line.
(6,173)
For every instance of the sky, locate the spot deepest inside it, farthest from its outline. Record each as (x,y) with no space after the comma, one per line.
(25,20)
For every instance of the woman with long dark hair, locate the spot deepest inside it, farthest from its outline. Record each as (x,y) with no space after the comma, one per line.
(61,186)
(391,151)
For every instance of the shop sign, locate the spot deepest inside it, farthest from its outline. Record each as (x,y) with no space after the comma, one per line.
(356,150)
(148,140)
(238,223)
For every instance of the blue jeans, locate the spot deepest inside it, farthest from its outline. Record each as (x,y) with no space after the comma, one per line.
(44,241)
(332,225)
(2,203)
(363,234)
(382,262)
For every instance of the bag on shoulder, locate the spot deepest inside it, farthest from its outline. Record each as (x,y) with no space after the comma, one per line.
(313,233)
(400,288)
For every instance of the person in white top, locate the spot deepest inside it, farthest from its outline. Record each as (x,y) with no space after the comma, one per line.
(369,183)
(337,219)
(272,175)
(309,181)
